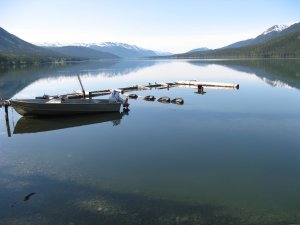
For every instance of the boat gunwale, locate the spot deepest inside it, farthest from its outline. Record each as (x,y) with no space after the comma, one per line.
(40,107)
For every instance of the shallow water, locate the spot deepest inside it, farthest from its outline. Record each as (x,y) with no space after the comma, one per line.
(225,157)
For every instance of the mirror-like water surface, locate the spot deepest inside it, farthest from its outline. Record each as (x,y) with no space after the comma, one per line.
(225,157)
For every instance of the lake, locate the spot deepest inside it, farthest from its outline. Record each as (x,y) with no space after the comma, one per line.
(224,157)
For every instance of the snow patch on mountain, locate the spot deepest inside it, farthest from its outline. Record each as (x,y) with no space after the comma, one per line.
(276,83)
(50,44)
(119,44)
(276,28)
(105,46)
(102,44)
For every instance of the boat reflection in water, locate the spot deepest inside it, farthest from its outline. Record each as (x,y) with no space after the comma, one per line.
(40,124)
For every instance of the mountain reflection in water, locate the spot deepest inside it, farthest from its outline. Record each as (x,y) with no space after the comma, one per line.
(17,80)
(279,73)
(275,72)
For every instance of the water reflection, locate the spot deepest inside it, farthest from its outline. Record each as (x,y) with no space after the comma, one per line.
(278,73)
(12,82)
(41,124)
(275,72)
(226,157)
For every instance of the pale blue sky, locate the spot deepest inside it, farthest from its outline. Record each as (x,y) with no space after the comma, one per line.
(166,25)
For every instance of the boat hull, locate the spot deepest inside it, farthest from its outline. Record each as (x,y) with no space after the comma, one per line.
(31,107)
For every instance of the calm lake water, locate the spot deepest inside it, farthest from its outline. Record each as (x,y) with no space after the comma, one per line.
(225,157)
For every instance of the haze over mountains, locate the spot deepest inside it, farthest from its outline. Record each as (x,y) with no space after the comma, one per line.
(121,50)
(82,52)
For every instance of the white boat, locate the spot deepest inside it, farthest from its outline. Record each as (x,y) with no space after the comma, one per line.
(58,106)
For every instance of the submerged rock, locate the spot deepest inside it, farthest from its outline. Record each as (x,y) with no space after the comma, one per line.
(164,100)
(149,98)
(178,101)
(134,96)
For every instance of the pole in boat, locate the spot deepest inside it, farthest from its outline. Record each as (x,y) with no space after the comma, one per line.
(81,86)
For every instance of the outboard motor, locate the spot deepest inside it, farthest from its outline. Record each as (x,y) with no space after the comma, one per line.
(115,97)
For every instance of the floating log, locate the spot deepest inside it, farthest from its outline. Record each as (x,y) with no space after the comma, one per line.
(156,85)
(99,93)
(135,88)
(163,86)
(208,84)
(166,85)
(153,85)
(147,87)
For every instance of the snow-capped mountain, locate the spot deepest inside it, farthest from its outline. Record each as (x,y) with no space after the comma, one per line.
(270,33)
(275,28)
(50,44)
(119,44)
(122,50)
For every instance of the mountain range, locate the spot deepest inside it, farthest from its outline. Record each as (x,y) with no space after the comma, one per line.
(276,42)
(270,33)
(121,50)
(82,52)
(15,51)
(279,41)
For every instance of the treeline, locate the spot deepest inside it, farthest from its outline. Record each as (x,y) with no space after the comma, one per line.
(20,61)
(287,46)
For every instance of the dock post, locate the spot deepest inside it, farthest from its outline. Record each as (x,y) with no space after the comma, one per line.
(200,89)
(7,120)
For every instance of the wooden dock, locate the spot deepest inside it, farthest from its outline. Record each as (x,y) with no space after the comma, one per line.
(158,86)
(208,84)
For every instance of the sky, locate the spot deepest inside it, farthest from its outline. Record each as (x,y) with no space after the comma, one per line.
(166,25)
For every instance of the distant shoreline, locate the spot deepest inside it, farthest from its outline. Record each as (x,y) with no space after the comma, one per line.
(23,62)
